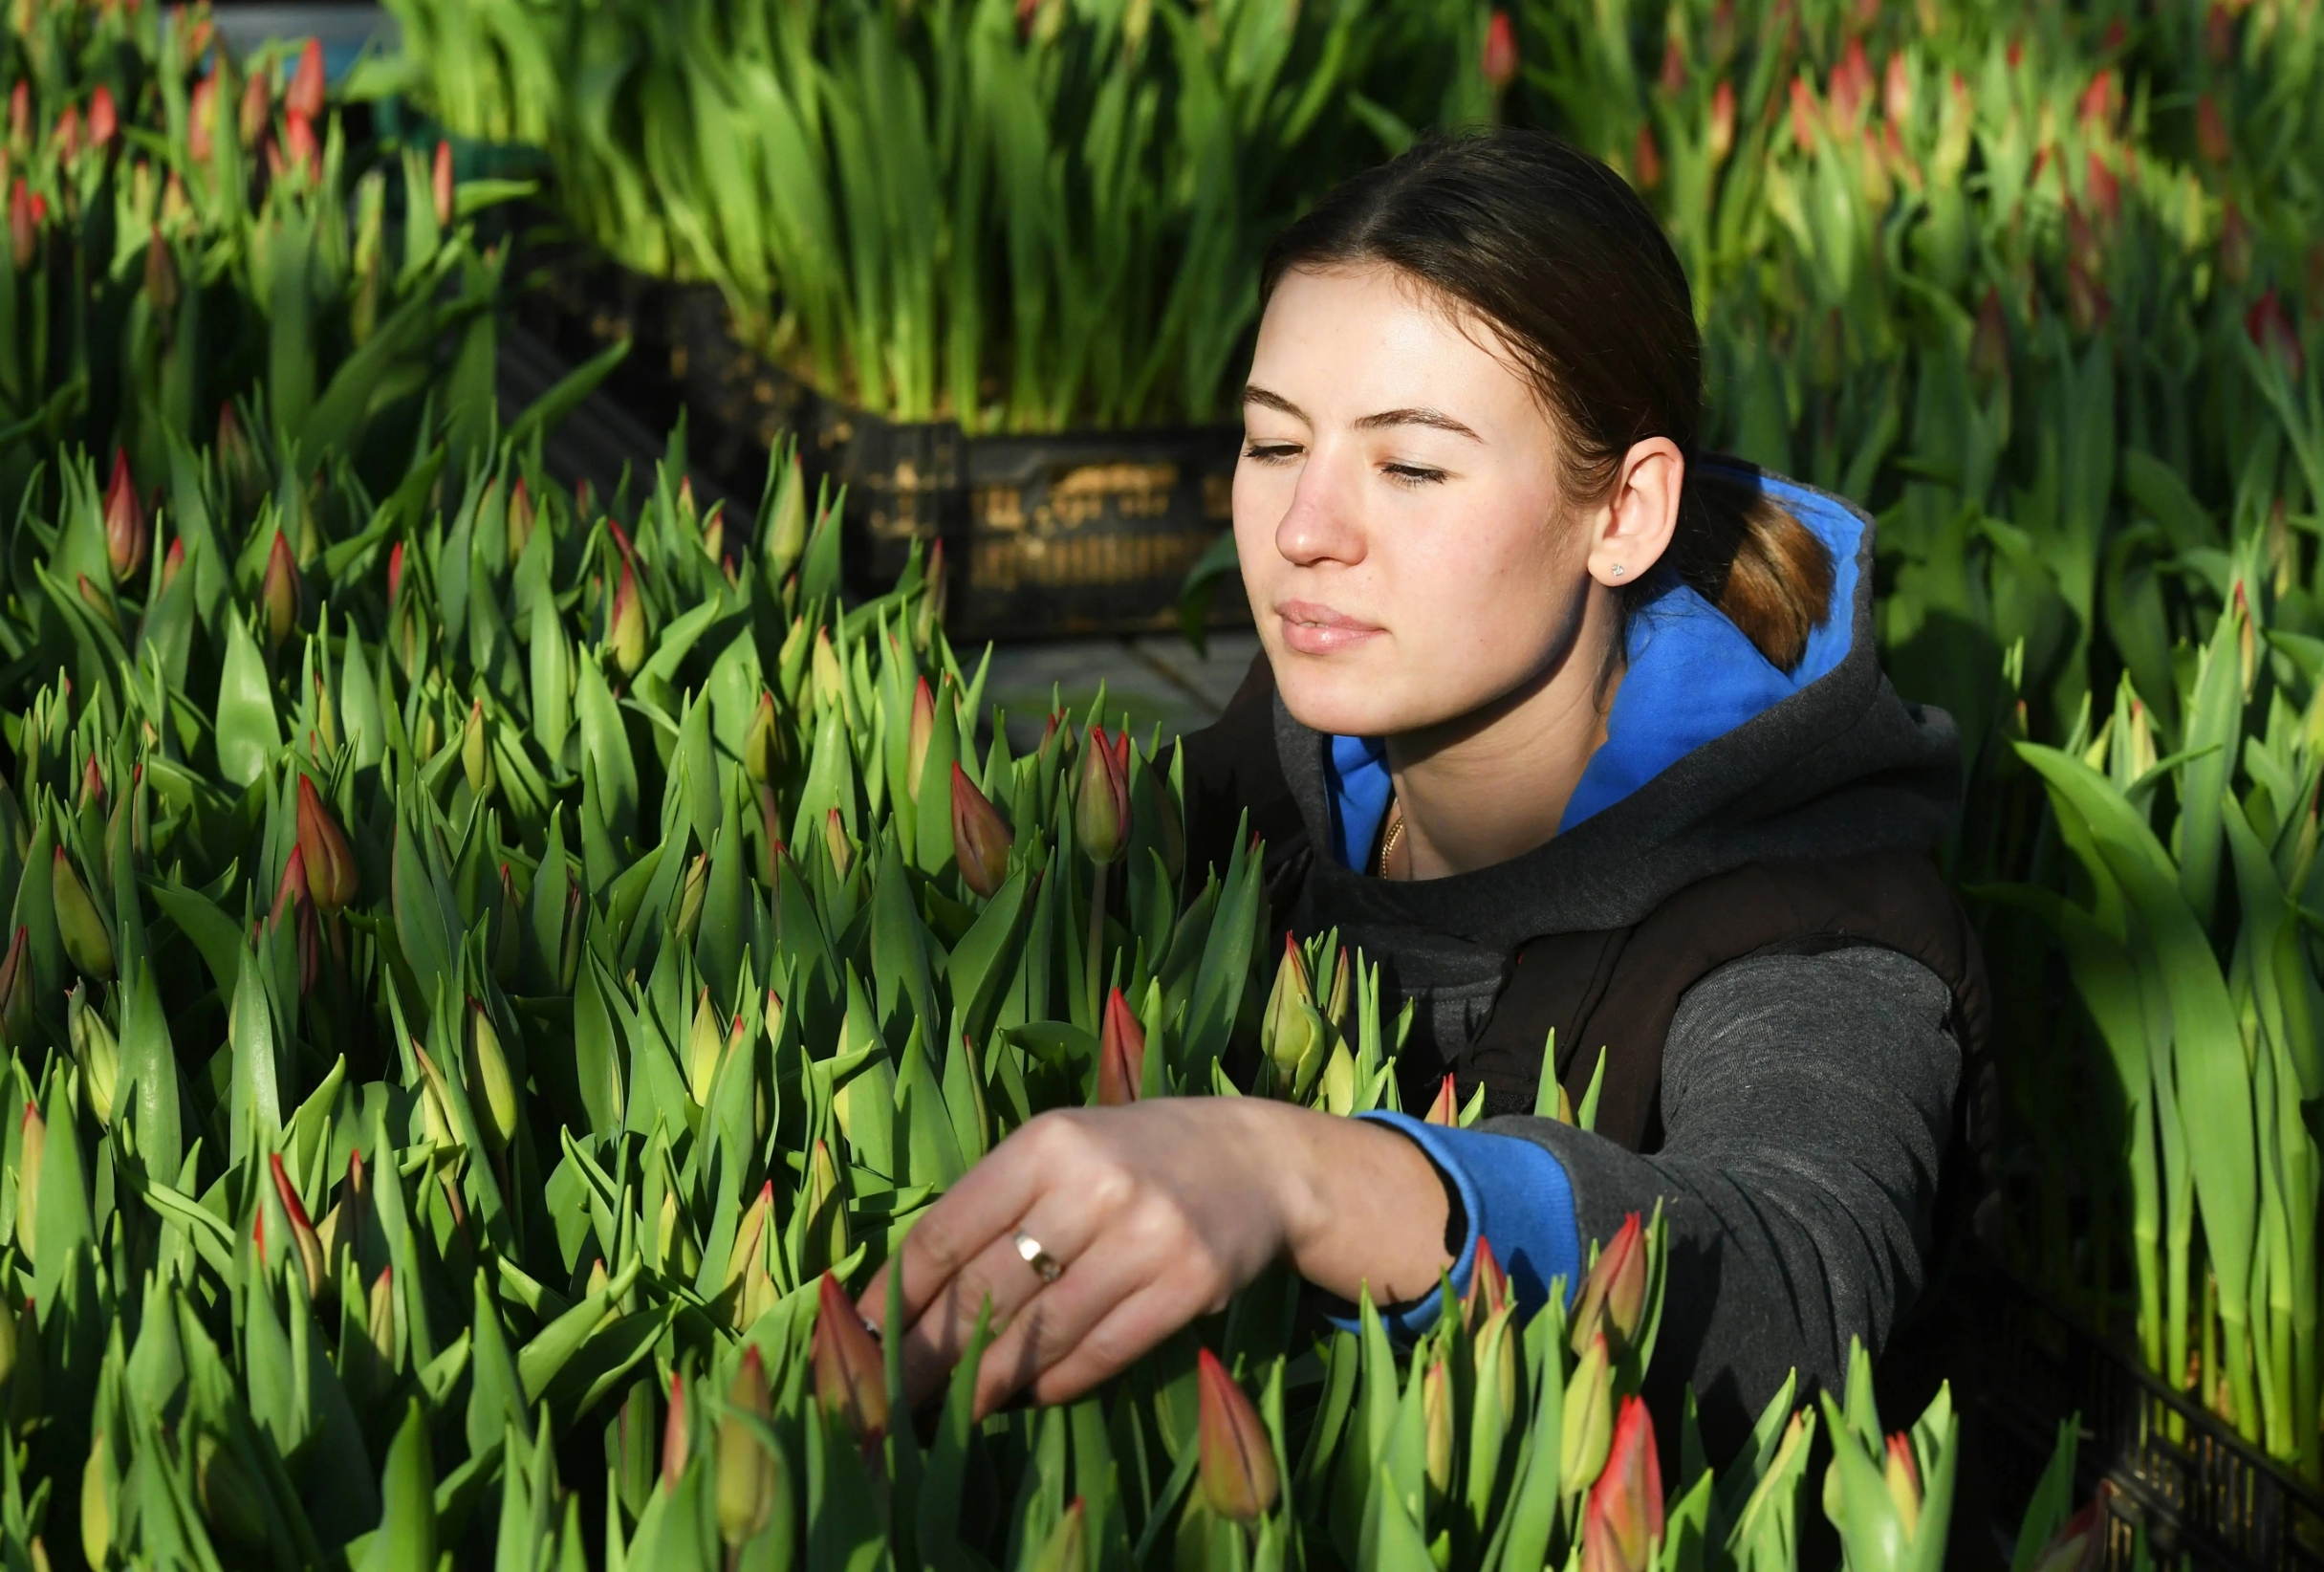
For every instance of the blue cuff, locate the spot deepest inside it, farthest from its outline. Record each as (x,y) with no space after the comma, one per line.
(1516,1194)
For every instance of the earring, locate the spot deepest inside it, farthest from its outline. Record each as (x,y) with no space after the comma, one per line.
(1619,570)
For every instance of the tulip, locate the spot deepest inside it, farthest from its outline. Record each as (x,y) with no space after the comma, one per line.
(304,153)
(825,1243)
(91,783)
(770,835)
(2079,1544)
(1121,1054)
(303,1237)
(626,627)
(748,1256)
(23,228)
(2212,130)
(173,563)
(1903,1477)
(922,733)
(787,522)
(435,1101)
(161,292)
(674,1438)
(1588,1427)
(21,114)
(380,1315)
(1445,1108)
(87,944)
(830,679)
(763,745)
(1722,122)
(490,1080)
(1067,1548)
(291,888)
(1623,1526)
(395,553)
(257,108)
(981,841)
(476,752)
(17,990)
(331,872)
(1238,1462)
(1614,1297)
(1101,810)
(1803,115)
(440,184)
(1489,1291)
(2270,327)
(96,1504)
(1290,989)
(104,119)
(1646,162)
(200,117)
(96,1050)
(231,1498)
(1436,1427)
(279,592)
(1500,63)
(31,1141)
(521,516)
(851,1377)
(933,587)
(751,1480)
(705,1047)
(67,135)
(306,93)
(690,896)
(835,841)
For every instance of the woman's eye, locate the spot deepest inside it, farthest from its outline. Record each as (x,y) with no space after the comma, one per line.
(1413,475)
(1270,452)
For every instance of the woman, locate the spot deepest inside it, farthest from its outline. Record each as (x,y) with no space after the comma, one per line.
(1570,729)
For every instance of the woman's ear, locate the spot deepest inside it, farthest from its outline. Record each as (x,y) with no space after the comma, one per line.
(1636,522)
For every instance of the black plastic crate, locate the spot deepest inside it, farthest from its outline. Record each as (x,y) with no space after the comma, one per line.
(1067,532)
(2201,1491)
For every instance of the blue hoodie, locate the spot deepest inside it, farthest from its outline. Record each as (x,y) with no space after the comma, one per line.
(1691,677)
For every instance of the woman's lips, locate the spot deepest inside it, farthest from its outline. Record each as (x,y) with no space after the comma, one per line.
(1312,628)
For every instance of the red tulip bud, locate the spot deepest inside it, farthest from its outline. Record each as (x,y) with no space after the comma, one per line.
(126,538)
(2271,331)
(1445,1109)
(306,95)
(1646,161)
(981,841)
(279,592)
(1623,1526)
(1722,122)
(626,627)
(1672,80)
(302,1233)
(20,113)
(851,1377)
(257,107)
(1614,1297)
(1500,64)
(2079,1544)
(304,152)
(440,184)
(674,1440)
(292,888)
(922,733)
(17,991)
(173,563)
(67,135)
(1902,1473)
(1121,1054)
(1238,1462)
(330,863)
(2212,130)
(1803,113)
(201,116)
(1489,1291)
(1101,812)
(1896,90)
(394,565)
(23,224)
(104,119)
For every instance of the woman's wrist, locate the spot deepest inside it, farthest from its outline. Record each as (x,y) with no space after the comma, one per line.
(1360,1206)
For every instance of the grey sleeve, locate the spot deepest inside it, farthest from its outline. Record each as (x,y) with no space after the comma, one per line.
(1806,1106)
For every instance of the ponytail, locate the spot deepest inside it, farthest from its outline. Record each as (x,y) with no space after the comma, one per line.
(1742,551)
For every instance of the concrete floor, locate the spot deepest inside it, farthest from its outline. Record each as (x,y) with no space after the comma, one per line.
(1157,680)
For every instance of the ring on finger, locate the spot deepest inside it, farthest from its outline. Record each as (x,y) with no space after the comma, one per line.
(1047,1266)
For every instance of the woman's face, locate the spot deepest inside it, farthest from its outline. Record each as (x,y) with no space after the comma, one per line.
(1398,510)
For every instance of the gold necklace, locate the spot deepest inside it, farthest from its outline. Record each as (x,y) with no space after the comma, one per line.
(1395,833)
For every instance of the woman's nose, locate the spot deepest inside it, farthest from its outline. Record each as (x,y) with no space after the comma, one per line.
(1320,526)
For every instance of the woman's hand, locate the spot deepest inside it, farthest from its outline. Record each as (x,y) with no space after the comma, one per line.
(1156,1212)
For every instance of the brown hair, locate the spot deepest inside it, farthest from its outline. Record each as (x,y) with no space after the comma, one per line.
(1554,250)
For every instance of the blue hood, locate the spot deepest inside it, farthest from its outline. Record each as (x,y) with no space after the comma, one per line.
(1692,677)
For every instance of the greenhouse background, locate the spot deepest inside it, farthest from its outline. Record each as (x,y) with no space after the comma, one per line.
(593,600)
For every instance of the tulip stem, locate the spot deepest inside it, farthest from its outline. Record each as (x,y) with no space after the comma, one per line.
(1094,985)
